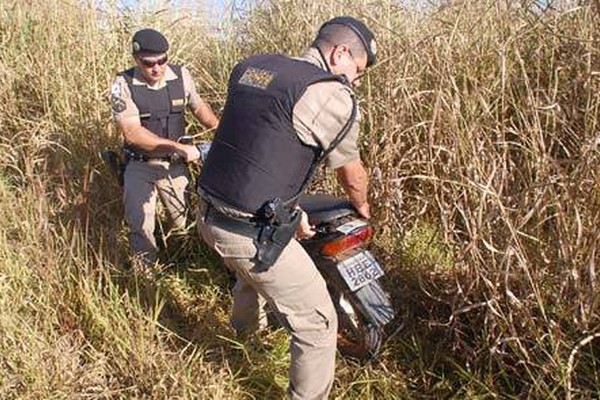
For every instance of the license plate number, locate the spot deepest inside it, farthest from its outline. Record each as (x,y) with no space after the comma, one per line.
(359,270)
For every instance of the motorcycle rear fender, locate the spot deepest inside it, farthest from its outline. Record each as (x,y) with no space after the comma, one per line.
(372,299)
(376,304)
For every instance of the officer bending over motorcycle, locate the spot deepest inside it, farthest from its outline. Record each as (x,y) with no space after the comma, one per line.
(282,117)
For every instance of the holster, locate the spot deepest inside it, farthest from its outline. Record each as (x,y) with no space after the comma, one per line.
(115,163)
(275,234)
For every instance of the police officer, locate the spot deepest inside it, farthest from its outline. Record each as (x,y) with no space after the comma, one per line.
(282,116)
(148,104)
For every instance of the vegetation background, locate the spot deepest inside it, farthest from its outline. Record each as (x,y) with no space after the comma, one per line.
(481,138)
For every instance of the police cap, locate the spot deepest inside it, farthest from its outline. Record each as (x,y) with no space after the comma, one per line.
(149,41)
(366,36)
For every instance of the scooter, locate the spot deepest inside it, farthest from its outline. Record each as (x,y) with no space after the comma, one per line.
(352,274)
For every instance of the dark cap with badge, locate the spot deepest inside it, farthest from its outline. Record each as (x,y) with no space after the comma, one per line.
(149,41)
(361,30)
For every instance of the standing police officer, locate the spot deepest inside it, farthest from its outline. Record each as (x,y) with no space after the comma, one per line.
(148,103)
(282,117)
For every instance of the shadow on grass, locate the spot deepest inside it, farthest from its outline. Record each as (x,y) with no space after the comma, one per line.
(196,291)
(437,348)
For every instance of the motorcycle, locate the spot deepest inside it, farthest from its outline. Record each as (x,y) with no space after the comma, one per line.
(352,273)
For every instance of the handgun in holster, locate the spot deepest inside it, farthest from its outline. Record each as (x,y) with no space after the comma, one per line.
(278,226)
(115,163)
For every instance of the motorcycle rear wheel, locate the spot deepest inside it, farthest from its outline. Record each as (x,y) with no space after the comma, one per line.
(358,338)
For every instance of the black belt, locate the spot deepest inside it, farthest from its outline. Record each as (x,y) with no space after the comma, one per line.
(132,155)
(145,158)
(247,226)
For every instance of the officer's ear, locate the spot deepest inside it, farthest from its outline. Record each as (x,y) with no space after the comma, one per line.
(337,54)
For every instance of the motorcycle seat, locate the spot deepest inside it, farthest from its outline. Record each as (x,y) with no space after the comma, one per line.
(324,207)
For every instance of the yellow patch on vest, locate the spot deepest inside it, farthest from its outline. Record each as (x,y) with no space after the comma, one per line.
(177,102)
(258,78)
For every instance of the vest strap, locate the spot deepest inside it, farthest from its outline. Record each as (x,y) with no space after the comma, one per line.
(292,203)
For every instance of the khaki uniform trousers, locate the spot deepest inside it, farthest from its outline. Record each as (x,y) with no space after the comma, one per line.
(295,292)
(143,183)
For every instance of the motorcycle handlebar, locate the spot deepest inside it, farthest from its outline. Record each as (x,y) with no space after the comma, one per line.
(202,146)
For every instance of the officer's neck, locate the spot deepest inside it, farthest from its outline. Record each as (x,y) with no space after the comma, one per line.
(155,83)
(152,82)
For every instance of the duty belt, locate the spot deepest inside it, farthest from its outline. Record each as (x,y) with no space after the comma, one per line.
(248,226)
(270,236)
(132,156)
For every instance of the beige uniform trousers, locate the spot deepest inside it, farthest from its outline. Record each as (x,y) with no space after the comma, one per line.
(143,183)
(295,292)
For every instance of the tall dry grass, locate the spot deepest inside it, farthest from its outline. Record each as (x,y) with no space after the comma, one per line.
(75,322)
(481,138)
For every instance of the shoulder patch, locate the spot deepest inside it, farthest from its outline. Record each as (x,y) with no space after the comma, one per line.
(115,90)
(117,103)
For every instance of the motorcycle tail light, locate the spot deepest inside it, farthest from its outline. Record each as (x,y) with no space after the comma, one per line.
(347,242)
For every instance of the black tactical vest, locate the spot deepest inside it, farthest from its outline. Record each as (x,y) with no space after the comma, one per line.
(161,111)
(256,154)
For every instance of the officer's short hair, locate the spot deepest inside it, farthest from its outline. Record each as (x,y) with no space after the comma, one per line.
(351,32)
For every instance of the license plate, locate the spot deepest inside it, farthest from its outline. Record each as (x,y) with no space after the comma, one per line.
(359,270)
(350,226)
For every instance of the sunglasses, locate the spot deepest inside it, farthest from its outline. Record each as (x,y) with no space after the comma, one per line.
(359,71)
(151,63)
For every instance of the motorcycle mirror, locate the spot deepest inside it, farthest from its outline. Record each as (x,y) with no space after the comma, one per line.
(186,139)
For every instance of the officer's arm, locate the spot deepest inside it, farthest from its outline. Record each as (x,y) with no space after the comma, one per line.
(205,115)
(353,178)
(199,107)
(141,138)
(319,116)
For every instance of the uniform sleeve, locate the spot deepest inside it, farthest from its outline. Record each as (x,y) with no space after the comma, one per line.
(121,102)
(192,97)
(321,114)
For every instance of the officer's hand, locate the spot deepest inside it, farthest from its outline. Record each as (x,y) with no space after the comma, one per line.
(364,210)
(305,230)
(189,153)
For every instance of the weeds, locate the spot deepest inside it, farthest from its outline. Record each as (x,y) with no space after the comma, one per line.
(480,135)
